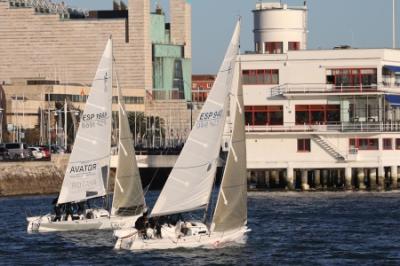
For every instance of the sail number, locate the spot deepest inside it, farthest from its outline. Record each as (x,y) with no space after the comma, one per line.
(90,117)
(89,120)
(209,118)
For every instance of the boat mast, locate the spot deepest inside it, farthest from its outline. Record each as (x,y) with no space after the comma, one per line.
(107,205)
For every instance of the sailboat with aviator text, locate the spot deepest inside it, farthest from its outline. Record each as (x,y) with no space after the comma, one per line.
(189,186)
(87,173)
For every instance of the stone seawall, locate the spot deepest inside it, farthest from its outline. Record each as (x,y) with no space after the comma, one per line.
(33,177)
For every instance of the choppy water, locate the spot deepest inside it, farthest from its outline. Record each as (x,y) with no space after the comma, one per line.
(287,229)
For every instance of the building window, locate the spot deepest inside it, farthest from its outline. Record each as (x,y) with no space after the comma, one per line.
(260,76)
(294,46)
(317,114)
(349,78)
(178,91)
(387,144)
(264,115)
(364,144)
(397,144)
(273,47)
(303,145)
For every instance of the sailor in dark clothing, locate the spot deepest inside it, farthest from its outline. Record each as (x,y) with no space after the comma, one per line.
(68,211)
(141,225)
(57,210)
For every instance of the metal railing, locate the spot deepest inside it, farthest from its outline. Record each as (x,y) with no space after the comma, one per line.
(307,88)
(338,127)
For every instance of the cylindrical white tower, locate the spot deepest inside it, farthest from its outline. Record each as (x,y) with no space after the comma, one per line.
(279,28)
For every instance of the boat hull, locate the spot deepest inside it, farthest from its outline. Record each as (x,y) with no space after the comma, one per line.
(45,223)
(129,239)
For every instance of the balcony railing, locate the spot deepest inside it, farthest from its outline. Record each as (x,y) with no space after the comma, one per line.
(339,127)
(329,88)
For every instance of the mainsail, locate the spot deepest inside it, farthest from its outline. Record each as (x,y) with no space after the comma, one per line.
(190,183)
(128,193)
(88,167)
(231,208)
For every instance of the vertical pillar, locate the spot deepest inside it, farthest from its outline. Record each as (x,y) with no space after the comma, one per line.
(340,178)
(248,177)
(253,177)
(395,175)
(381,177)
(267,184)
(361,176)
(290,178)
(372,178)
(275,177)
(317,178)
(325,174)
(304,180)
(347,177)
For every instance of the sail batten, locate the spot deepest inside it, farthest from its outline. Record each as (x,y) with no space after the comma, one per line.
(89,163)
(187,190)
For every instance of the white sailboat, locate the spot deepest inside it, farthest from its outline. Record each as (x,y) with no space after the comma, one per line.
(87,173)
(189,186)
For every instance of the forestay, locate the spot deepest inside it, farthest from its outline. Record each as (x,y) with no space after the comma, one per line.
(128,193)
(88,167)
(231,208)
(190,183)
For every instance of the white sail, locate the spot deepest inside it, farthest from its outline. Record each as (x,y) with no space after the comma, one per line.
(231,208)
(189,185)
(128,193)
(88,167)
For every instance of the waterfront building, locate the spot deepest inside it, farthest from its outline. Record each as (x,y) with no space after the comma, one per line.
(53,50)
(201,86)
(44,39)
(318,118)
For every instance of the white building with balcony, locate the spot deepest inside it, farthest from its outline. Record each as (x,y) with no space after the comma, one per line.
(318,118)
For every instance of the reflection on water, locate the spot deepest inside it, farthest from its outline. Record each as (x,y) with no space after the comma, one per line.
(287,228)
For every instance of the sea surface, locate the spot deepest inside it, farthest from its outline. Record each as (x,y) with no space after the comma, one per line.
(319,228)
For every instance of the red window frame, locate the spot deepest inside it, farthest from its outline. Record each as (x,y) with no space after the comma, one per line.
(387,144)
(273,47)
(303,145)
(364,144)
(260,76)
(315,108)
(354,76)
(294,46)
(267,110)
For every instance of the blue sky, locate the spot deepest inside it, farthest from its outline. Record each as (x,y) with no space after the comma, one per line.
(359,23)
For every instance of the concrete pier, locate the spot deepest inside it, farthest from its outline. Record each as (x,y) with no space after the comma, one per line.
(361,177)
(381,177)
(372,179)
(347,176)
(267,179)
(275,178)
(304,180)
(394,176)
(290,178)
(317,179)
(325,175)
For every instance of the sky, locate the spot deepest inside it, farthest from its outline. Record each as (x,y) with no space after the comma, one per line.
(359,23)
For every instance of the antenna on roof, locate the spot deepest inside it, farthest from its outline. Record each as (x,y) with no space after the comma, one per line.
(394,24)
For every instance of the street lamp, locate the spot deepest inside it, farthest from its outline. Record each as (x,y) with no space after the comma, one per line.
(190,105)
